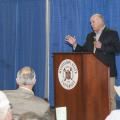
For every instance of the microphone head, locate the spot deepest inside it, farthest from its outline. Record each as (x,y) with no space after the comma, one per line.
(94,37)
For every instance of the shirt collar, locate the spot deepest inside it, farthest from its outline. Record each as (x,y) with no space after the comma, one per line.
(27,89)
(100,31)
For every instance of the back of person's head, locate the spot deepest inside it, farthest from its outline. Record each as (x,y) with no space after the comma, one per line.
(26,76)
(33,116)
(29,116)
(5,111)
(48,116)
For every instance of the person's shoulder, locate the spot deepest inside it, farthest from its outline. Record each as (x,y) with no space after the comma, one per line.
(13,95)
(40,100)
(8,92)
(110,30)
(91,34)
(39,103)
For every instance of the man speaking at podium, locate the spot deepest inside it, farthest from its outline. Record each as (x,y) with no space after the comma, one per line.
(104,43)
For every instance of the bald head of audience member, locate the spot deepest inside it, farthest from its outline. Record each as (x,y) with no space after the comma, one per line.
(26,77)
(5,110)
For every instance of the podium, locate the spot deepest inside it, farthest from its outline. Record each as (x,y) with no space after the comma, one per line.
(81,84)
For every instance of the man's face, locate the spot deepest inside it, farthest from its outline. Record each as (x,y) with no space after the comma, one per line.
(96,23)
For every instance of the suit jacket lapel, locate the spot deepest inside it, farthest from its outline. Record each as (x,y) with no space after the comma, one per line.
(102,34)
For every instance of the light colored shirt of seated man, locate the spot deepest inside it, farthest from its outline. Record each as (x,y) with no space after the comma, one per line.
(114,115)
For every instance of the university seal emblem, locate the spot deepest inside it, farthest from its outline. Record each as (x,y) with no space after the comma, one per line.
(68,74)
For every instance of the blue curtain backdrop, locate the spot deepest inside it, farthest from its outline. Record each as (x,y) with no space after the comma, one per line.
(22,34)
(22,41)
(72,17)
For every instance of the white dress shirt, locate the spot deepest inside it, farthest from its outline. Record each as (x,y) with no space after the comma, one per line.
(98,36)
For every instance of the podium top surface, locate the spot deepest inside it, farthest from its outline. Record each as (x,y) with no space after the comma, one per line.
(73,53)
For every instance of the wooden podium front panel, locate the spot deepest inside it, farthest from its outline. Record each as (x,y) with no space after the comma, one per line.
(72,99)
(88,100)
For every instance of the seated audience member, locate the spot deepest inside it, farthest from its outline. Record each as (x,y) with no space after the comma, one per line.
(34,116)
(48,116)
(23,98)
(29,116)
(5,111)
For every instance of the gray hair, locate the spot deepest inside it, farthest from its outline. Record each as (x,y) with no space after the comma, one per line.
(26,76)
(29,116)
(50,115)
(98,15)
(33,116)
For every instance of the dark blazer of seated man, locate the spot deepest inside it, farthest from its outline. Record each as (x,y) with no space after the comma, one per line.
(23,98)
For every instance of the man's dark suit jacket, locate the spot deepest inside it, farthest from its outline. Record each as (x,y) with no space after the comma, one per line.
(110,46)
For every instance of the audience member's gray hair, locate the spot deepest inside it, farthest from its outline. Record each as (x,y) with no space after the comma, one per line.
(29,116)
(48,116)
(26,76)
(4,106)
(33,116)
